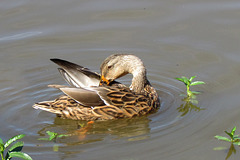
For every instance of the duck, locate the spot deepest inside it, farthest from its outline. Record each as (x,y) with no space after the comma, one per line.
(91,96)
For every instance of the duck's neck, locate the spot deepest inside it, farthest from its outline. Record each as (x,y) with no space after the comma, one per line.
(135,66)
(139,80)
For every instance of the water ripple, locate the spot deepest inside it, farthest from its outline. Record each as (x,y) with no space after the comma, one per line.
(20,36)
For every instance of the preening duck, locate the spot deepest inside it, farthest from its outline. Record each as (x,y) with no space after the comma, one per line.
(93,96)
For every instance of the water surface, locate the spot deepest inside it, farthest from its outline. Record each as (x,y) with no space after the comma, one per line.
(173,38)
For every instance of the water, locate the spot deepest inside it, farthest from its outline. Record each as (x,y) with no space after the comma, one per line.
(173,38)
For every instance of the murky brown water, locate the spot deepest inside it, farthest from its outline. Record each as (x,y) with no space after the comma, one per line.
(174,38)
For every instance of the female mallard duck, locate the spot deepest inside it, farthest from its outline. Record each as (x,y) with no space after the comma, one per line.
(95,97)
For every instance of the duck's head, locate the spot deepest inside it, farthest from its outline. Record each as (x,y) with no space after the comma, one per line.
(118,65)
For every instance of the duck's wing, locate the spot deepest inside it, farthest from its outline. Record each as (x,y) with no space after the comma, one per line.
(90,96)
(77,75)
(84,96)
(99,96)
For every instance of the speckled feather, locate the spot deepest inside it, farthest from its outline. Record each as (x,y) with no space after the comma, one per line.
(123,103)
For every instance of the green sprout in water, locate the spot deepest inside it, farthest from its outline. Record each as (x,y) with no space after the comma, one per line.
(53,136)
(190,101)
(189,82)
(234,139)
(14,150)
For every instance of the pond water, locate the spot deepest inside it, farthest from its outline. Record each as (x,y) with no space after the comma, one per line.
(172,37)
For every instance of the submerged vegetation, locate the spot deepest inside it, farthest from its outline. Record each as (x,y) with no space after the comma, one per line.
(53,136)
(14,150)
(81,133)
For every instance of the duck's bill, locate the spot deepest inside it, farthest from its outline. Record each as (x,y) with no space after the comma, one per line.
(103,81)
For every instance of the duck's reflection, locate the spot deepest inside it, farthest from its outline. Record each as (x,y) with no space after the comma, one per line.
(82,132)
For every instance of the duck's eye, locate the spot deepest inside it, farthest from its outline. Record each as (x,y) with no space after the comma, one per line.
(109,67)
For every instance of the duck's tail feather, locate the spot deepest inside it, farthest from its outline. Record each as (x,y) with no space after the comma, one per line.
(77,75)
(46,106)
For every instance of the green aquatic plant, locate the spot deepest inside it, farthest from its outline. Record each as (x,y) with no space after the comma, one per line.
(189,82)
(234,139)
(53,136)
(14,150)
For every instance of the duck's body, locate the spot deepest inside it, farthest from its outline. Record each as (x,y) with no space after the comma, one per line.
(95,97)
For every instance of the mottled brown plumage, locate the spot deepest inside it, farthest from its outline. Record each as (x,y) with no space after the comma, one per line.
(95,97)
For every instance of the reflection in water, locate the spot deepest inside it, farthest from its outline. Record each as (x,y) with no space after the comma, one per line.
(190,103)
(82,132)
(230,151)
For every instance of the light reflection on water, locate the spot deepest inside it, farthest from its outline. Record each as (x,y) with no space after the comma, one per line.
(173,39)
(19,36)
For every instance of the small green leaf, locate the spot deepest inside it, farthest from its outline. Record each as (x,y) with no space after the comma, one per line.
(16,147)
(20,155)
(229,134)
(62,135)
(222,138)
(1,145)
(13,139)
(1,148)
(237,143)
(50,133)
(1,141)
(53,136)
(233,130)
(180,79)
(197,83)
(192,78)
(186,80)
